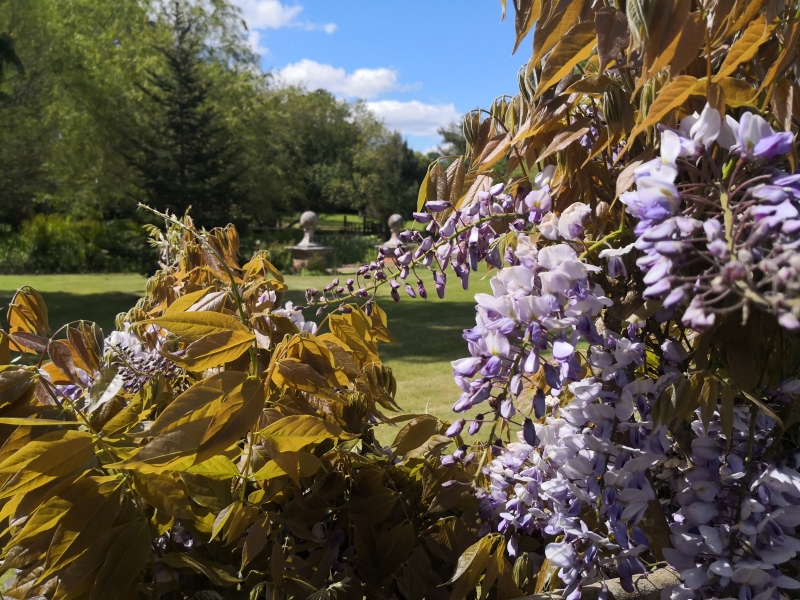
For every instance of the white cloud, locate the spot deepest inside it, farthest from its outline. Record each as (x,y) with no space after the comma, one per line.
(268,14)
(361,83)
(254,40)
(414,117)
(272,14)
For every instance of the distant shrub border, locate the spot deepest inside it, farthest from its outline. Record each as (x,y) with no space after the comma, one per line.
(53,243)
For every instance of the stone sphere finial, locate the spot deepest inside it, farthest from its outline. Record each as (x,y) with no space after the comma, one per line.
(396,223)
(309,220)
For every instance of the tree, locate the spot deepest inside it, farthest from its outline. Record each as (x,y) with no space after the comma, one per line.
(454,142)
(185,158)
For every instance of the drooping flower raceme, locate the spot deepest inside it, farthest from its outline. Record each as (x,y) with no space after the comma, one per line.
(599,448)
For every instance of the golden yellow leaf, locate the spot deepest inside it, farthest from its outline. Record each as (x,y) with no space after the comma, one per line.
(591,84)
(415,433)
(425,192)
(296,464)
(27,313)
(5,350)
(213,350)
(708,400)
(751,9)
(198,402)
(778,67)
(292,373)
(85,521)
(15,382)
(79,576)
(237,413)
(576,45)
(670,97)
(126,559)
(782,103)
(669,40)
(195,325)
(745,47)
(495,149)
(297,432)
(554,29)
(53,455)
(566,136)
(185,302)
(611,25)
(527,12)
(216,573)
(165,492)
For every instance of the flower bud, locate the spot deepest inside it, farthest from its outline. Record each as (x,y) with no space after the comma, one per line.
(475,426)
(456,428)
(437,206)
(507,409)
(539,404)
(529,433)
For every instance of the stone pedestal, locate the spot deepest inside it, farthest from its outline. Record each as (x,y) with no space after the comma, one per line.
(307,248)
(396,224)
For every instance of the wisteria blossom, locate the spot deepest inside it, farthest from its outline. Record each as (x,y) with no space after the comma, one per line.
(615,423)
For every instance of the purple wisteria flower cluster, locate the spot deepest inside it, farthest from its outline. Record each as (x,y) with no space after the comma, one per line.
(620,429)
(719,241)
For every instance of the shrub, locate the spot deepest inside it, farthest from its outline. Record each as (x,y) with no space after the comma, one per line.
(218,445)
(53,243)
(350,249)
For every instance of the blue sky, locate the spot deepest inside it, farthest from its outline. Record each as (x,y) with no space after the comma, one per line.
(418,64)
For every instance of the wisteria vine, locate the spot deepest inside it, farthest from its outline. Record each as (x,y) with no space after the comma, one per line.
(716,231)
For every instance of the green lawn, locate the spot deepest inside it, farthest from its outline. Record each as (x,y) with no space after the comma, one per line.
(429,331)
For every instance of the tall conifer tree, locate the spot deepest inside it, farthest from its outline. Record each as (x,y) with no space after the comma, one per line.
(185,158)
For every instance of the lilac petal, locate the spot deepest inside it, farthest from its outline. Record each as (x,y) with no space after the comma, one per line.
(773,145)
(456,428)
(437,205)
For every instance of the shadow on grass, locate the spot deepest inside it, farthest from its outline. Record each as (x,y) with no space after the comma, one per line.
(63,307)
(426,329)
